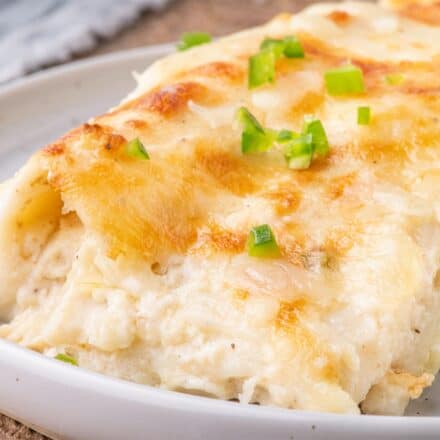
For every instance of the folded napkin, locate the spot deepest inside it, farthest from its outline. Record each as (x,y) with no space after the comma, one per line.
(42,32)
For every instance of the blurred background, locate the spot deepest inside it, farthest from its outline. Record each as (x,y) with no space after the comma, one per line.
(36,34)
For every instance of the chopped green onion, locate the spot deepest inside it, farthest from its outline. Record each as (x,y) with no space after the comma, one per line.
(261,68)
(285,136)
(363,115)
(293,47)
(261,243)
(191,39)
(315,128)
(277,46)
(299,149)
(299,152)
(135,149)
(344,80)
(254,138)
(262,65)
(66,358)
(394,79)
(289,46)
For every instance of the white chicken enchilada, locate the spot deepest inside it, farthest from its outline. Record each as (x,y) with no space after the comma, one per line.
(258,220)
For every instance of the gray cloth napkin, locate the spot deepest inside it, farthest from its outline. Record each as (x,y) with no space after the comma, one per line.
(34,33)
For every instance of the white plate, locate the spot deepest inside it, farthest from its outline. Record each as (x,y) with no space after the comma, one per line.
(70,403)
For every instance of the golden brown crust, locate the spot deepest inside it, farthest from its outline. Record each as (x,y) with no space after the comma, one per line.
(340,18)
(424,11)
(169,100)
(193,163)
(219,240)
(219,70)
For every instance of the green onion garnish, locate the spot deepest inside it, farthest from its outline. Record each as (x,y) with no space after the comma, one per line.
(289,46)
(315,128)
(262,65)
(135,149)
(261,68)
(191,39)
(293,47)
(277,46)
(66,358)
(394,79)
(261,243)
(344,80)
(363,115)
(299,149)
(299,152)
(285,136)
(254,138)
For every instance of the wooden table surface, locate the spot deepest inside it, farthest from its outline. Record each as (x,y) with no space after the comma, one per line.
(218,17)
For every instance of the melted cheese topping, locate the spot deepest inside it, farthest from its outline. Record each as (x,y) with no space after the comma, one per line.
(139,269)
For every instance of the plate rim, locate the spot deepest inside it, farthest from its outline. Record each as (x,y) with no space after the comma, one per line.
(38,364)
(54,370)
(32,79)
